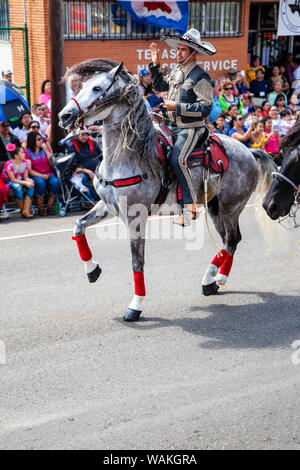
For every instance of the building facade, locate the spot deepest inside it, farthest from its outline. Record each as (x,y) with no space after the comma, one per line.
(104,29)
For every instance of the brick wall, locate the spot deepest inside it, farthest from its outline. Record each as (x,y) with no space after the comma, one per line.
(39,64)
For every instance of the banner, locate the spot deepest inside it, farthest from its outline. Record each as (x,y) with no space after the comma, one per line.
(289,18)
(169,14)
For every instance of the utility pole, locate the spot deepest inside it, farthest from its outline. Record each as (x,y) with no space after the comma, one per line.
(58,94)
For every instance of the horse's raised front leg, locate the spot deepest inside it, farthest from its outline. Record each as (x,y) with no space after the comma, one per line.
(97,214)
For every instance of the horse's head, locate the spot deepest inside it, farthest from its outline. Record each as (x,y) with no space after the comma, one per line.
(93,102)
(281,196)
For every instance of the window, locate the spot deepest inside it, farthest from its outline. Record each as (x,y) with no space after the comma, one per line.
(109,20)
(4,20)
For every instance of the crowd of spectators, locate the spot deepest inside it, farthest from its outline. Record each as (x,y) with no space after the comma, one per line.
(256,107)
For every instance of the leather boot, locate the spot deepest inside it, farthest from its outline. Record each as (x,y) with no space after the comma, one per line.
(50,208)
(20,204)
(40,205)
(192,214)
(26,210)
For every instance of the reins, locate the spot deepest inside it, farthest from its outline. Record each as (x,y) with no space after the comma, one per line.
(296,204)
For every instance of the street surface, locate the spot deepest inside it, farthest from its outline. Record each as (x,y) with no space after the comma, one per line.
(196,373)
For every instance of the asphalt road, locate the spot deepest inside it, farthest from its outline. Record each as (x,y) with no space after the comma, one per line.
(196,373)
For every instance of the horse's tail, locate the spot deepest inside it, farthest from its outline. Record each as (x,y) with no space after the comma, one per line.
(272,232)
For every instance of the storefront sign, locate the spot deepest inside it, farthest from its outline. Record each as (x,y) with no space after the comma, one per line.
(168,55)
(289,18)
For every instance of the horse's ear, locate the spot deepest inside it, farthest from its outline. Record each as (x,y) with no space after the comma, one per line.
(115,71)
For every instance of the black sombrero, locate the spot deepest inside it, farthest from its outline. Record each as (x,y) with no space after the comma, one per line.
(192,39)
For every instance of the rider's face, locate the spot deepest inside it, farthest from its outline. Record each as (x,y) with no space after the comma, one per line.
(183,53)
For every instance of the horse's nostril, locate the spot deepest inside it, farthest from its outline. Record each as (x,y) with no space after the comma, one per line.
(65,117)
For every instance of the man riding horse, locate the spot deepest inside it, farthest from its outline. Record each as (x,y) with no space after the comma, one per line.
(189,101)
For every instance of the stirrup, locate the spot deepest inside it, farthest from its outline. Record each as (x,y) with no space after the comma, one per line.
(186,217)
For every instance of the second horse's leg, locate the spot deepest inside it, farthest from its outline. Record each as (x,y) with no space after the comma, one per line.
(94,216)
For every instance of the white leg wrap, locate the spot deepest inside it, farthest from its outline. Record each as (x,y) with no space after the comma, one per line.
(136,303)
(209,276)
(89,266)
(221,279)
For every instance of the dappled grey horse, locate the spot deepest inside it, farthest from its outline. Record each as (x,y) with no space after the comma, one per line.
(130,169)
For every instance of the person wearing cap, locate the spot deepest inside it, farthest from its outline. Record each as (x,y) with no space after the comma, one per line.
(145,82)
(7,75)
(187,104)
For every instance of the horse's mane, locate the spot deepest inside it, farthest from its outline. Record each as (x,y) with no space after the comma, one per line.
(137,131)
(292,138)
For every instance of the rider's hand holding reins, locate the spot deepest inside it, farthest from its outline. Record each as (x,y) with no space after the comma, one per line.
(169,105)
(154,53)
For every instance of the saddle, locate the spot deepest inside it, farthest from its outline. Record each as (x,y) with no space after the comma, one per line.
(211,155)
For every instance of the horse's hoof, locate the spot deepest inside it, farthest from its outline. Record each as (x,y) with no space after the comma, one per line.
(131,315)
(93,276)
(210,289)
(221,279)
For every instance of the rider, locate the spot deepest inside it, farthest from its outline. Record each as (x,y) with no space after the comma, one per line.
(189,101)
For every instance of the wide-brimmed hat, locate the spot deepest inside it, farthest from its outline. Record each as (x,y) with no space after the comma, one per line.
(192,39)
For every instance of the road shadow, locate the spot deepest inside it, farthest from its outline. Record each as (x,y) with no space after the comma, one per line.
(274,321)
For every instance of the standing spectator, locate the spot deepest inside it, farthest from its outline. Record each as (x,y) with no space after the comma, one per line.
(254,116)
(241,86)
(6,137)
(220,125)
(7,75)
(290,66)
(227,97)
(74,86)
(45,97)
(35,111)
(257,136)
(280,102)
(15,175)
(293,103)
(239,131)
(252,67)
(145,82)
(231,111)
(259,87)
(273,140)
(277,91)
(23,128)
(41,172)
(274,115)
(216,108)
(276,75)
(246,103)
(265,108)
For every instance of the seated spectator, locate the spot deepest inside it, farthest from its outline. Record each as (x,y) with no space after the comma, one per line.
(80,182)
(239,131)
(216,108)
(273,140)
(280,102)
(35,111)
(286,122)
(23,128)
(74,86)
(277,91)
(41,172)
(231,111)
(220,125)
(257,138)
(265,108)
(45,97)
(252,67)
(3,194)
(35,127)
(87,151)
(6,137)
(254,116)
(276,75)
(259,87)
(241,86)
(211,128)
(39,111)
(274,115)
(246,103)
(15,175)
(228,98)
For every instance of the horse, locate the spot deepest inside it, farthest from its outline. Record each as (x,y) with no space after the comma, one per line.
(130,169)
(285,189)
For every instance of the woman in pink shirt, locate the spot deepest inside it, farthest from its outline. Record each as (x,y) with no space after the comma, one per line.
(41,172)
(273,140)
(46,93)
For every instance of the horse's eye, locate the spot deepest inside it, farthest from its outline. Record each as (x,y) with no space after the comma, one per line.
(97,88)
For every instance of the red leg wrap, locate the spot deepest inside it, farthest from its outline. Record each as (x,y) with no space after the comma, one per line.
(226,266)
(220,258)
(139,284)
(83,247)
